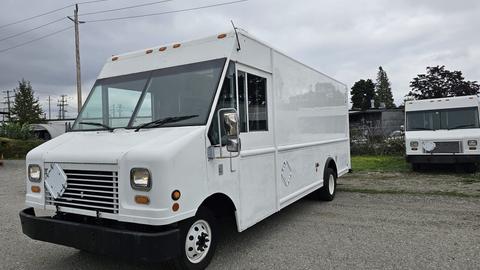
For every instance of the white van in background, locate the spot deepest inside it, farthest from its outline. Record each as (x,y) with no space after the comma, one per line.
(173,137)
(443,131)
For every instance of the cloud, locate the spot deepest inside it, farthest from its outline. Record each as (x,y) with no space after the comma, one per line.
(345,39)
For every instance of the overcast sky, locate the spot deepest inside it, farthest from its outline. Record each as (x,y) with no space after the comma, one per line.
(348,40)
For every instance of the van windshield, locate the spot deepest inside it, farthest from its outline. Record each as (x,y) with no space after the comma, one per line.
(131,100)
(458,118)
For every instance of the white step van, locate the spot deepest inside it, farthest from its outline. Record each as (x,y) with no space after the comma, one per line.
(173,137)
(442,131)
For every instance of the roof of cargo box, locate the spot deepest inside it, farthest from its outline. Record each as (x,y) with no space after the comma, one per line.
(180,53)
(442,103)
(174,54)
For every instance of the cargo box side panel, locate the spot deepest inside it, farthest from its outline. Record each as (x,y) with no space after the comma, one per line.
(311,125)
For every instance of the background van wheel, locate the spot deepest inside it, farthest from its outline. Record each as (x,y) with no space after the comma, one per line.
(198,237)
(327,192)
(416,167)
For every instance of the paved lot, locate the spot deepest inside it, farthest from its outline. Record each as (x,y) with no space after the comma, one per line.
(355,231)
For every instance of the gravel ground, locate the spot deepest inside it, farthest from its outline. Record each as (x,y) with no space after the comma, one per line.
(355,231)
(429,182)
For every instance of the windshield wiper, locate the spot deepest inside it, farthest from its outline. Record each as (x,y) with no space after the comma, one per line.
(463,126)
(97,124)
(163,121)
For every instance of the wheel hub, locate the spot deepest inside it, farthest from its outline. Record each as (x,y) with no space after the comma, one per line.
(331,184)
(198,241)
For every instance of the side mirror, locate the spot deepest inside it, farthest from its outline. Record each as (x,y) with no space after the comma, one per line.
(230,121)
(402,128)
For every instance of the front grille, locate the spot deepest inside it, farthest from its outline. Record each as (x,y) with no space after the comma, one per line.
(447,147)
(89,190)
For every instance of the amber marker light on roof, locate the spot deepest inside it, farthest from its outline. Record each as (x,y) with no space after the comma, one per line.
(140,199)
(35,189)
(114,58)
(148,51)
(177,45)
(162,49)
(221,36)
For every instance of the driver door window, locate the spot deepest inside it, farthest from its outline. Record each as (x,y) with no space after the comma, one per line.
(252,93)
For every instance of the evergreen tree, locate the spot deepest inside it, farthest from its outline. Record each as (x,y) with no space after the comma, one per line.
(440,82)
(383,89)
(26,109)
(362,93)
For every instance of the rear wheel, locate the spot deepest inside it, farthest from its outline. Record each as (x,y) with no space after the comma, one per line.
(327,192)
(198,241)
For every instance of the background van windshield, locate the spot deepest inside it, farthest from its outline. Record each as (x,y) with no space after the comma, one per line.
(130,100)
(458,118)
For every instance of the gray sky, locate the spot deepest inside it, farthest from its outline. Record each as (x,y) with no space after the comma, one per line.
(345,39)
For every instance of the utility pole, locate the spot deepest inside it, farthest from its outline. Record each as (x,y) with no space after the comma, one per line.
(77,56)
(62,103)
(49,110)
(8,97)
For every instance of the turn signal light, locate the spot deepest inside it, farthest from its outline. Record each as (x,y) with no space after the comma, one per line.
(175,207)
(140,199)
(35,189)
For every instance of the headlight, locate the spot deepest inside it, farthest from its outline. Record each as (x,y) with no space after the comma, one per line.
(414,144)
(140,179)
(472,142)
(34,173)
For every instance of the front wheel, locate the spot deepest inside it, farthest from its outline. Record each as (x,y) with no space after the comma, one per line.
(327,192)
(198,241)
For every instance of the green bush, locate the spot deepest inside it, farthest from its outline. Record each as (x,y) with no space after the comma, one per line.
(16,131)
(391,146)
(17,149)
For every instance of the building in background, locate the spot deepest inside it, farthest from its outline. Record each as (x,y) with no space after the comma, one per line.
(381,122)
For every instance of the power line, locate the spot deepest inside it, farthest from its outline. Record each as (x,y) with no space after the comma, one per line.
(123,8)
(33,40)
(167,12)
(32,29)
(48,12)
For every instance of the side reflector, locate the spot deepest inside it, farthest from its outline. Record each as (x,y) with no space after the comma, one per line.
(176,195)
(35,189)
(140,199)
(177,45)
(149,51)
(221,36)
(114,58)
(162,49)
(175,207)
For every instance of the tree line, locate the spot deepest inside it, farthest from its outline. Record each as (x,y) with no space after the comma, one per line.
(437,82)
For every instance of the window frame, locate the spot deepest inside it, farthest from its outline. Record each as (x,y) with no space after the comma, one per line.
(246,99)
(148,76)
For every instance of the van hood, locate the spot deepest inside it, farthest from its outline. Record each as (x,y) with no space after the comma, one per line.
(106,147)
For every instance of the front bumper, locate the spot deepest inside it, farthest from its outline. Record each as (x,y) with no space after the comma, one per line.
(146,243)
(443,159)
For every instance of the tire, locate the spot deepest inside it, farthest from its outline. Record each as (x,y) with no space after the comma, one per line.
(471,168)
(199,230)
(327,192)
